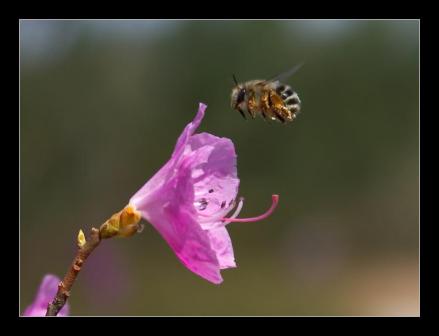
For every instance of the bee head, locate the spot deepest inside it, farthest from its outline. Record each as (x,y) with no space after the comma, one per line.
(238,94)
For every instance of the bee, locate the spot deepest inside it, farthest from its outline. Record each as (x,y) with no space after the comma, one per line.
(269,98)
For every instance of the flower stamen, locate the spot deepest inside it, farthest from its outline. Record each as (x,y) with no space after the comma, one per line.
(275,201)
(237,211)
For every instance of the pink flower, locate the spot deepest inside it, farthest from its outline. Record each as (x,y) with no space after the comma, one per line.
(188,198)
(45,294)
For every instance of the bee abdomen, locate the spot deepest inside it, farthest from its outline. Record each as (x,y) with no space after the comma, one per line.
(289,97)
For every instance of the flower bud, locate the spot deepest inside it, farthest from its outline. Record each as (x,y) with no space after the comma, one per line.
(125,223)
(129,221)
(81,239)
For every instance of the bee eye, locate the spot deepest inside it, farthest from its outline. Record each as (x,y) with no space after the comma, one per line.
(241,96)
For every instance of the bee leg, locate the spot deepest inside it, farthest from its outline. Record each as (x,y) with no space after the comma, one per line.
(265,117)
(251,105)
(242,113)
(265,106)
(273,108)
(250,111)
(282,119)
(279,116)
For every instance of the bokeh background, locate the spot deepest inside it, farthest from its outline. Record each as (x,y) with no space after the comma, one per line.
(103,102)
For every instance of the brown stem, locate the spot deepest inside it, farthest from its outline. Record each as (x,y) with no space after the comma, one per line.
(124,223)
(69,279)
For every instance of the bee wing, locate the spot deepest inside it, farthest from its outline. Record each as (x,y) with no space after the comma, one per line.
(283,76)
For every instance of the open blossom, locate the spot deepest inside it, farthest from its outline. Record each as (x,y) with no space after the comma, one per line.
(45,294)
(188,199)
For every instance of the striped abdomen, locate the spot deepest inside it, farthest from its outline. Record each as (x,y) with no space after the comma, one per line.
(289,97)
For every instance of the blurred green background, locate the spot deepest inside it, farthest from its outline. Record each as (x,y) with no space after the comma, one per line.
(103,102)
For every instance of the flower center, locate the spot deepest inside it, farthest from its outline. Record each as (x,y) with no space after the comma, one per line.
(201,204)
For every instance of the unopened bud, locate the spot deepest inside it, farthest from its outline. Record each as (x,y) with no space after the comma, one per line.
(81,239)
(125,223)
(129,221)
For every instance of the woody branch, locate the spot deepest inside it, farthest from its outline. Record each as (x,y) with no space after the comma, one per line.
(67,282)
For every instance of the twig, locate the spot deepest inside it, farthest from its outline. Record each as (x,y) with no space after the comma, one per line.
(69,279)
(124,223)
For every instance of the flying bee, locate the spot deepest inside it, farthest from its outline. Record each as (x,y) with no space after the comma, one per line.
(269,98)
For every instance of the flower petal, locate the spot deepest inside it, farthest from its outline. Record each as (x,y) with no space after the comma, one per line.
(222,245)
(45,294)
(189,130)
(216,182)
(164,174)
(186,200)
